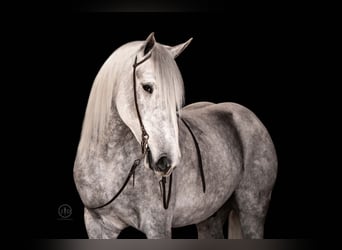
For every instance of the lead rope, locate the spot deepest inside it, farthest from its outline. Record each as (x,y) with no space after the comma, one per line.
(166,200)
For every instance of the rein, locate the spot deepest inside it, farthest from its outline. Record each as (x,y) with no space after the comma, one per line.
(144,138)
(145,150)
(200,165)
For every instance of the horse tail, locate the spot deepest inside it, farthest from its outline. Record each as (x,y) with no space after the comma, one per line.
(234,226)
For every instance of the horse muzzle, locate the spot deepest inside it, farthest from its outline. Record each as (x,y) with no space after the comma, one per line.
(163,166)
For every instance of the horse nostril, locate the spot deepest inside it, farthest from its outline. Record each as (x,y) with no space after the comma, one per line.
(163,163)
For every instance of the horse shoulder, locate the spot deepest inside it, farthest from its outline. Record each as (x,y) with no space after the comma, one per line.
(253,135)
(258,148)
(244,119)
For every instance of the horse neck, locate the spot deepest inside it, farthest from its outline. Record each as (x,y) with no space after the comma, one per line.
(120,145)
(100,172)
(114,154)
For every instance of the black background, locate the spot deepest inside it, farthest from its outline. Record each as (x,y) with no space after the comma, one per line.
(263,63)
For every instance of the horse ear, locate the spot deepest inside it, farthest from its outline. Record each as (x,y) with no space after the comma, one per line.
(149,44)
(176,50)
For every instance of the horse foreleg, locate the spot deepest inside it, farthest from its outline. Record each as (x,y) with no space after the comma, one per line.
(252,209)
(212,228)
(102,227)
(157,227)
(234,225)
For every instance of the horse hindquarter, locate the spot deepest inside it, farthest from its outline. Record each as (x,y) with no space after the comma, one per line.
(253,193)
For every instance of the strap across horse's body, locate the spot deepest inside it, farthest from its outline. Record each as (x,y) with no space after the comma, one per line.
(200,165)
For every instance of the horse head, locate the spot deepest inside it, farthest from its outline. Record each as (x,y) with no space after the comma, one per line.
(149,99)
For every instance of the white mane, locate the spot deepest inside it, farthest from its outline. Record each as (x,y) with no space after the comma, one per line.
(116,68)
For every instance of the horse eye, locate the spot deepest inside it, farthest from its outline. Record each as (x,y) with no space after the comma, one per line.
(148,88)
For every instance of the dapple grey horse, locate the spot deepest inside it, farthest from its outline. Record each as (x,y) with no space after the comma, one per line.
(136,136)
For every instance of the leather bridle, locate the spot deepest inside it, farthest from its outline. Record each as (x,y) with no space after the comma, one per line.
(144,134)
(145,150)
